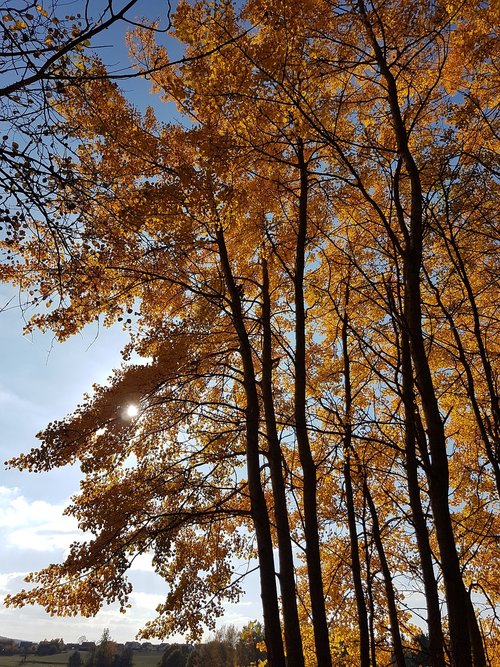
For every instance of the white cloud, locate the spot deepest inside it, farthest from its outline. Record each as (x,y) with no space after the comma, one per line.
(18,511)
(6,579)
(30,527)
(33,624)
(239,620)
(142,563)
(35,525)
(146,600)
(42,538)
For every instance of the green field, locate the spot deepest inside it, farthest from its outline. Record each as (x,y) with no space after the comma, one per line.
(55,660)
(146,659)
(140,659)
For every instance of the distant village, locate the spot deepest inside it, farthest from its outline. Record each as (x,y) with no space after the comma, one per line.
(10,646)
(228,647)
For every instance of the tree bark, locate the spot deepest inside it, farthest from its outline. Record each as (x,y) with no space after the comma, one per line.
(258,505)
(461,620)
(364,634)
(293,637)
(369,590)
(397,643)
(489,427)
(434,624)
(309,494)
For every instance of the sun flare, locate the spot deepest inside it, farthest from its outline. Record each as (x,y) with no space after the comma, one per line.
(132,410)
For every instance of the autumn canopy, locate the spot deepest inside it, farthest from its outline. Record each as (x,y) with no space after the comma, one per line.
(307,263)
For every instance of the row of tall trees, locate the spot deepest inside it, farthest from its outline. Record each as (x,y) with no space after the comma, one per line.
(308,267)
(228,647)
(107,653)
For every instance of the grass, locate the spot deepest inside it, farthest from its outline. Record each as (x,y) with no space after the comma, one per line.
(140,659)
(55,660)
(15,660)
(146,658)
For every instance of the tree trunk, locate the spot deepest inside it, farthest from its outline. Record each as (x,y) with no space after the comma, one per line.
(491,435)
(459,613)
(293,638)
(461,623)
(434,625)
(311,527)
(369,590)
(397,643)
(364,635)
(258,505)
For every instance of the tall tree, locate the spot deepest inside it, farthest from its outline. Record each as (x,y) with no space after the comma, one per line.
(308,270)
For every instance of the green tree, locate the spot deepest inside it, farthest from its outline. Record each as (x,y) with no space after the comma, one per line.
(195,658)
(50,647)
(175,659)
(250,644)
(105,652)
(175,655)
(75,659)
(124,658)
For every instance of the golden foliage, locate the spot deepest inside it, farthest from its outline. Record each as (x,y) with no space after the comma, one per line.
(388,111)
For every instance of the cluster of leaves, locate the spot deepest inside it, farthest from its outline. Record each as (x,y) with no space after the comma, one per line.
(309,270)
(107,653)
(8,647)
(50,647)
(43,49)
(227,648)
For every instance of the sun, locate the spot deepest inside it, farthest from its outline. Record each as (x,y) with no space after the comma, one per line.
(132,410)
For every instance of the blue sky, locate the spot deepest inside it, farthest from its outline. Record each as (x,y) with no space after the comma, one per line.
(42,380)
